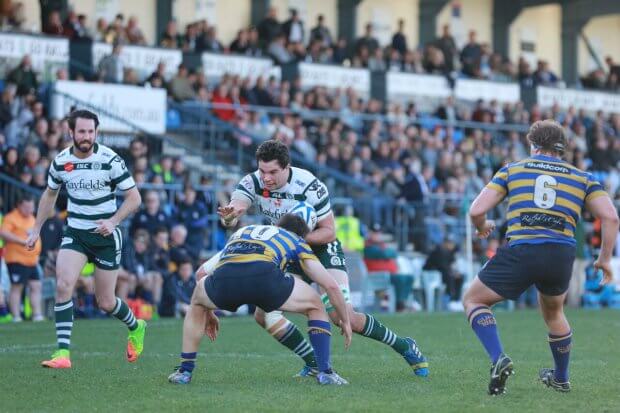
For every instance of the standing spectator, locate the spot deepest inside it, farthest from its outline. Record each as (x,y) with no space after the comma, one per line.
(241,43)
(170,38)
(101,29)
(447,45)
(22,263)
(321,32)
(269,27)
(399,41)
(111,67)
(278,51)
(24,77)
(194,216)
(210,42)
(368,41)
(150,216)
(293,28)
(54,24)
(470,55)
(134,33)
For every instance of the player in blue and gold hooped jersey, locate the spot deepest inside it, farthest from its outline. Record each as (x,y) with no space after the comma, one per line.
(545,198)
(250,270)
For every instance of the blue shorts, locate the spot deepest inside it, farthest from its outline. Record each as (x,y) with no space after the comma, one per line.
(21,274)
(260,283)
(514,269)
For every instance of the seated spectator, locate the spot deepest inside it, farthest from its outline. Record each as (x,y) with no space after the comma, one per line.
(150,216)
(171,39)
(10,165)
(138,268)
(194,216)
(543,75)
(180,87)
(442,259)
(179,247)
(184,284)
(116,34)
(24,77)
(210,42)
(241,43)
(101,29)
(134,33)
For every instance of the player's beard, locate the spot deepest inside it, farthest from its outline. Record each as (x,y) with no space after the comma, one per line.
(83,146)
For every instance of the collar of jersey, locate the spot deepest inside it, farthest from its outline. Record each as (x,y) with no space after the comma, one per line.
(548,158)
(95,148)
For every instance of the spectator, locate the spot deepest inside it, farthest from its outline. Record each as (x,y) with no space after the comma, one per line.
(278,51)
(138,267)
(293,28)
(111,67)
(399,41)
(54,24)
(170,38)
(543,75)
(442,259)
(241,44)
(116,33)
(470,55)
(180,87)
(613,78)
(321,32)
(184,284)
(178,246)
(158,77)
(368,42)
(24,77)
(194,216)
(22,263)
(134,33)
(150,216)
(211,44)
(101,30)
(10,164)
(447,45)
(269,28)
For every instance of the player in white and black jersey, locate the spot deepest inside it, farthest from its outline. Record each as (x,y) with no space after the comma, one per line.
(276,187)
(91,174)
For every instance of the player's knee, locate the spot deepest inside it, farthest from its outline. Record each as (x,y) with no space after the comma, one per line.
(358,321)
(63,287)
(274,322)
(259,317)
(107,304)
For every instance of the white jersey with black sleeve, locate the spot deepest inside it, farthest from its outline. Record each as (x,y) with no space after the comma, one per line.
(90,183)
(301,185)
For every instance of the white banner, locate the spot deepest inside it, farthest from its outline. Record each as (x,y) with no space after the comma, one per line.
(334,77)
(47,53)
(217,65)
(580,99)
(144,108)
(408,85)
(470,89)
(143,60)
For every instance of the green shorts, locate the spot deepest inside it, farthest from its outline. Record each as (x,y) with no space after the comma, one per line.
(330,255)
(104,252)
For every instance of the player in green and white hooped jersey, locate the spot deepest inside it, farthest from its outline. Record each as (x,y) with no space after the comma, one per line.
(91,174)
(276,188)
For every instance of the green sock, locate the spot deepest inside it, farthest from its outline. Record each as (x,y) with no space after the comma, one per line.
(63,313)
(295,341)
(123,313)
(377,331)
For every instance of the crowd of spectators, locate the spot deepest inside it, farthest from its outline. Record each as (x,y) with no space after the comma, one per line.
(287,41)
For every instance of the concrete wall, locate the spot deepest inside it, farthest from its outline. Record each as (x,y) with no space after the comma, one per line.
(384,14)
(475,14)
(604,34)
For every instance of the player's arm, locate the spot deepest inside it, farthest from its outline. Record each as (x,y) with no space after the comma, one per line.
(602,208)
(131,202)
(208,267)
(44,211)
(315,270)
(241,200)
(324,232)
(490,196)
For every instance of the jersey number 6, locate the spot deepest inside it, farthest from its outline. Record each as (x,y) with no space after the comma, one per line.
(544,192)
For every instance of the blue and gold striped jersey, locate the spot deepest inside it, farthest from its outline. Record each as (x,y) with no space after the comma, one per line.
(545,198)
(265,243)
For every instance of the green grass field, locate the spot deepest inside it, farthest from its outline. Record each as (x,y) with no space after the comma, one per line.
(246,370)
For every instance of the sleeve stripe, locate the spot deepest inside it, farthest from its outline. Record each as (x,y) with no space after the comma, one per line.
(242,188)
(496,187)
(595,194)
(56,180)
(321,204)
(120,179)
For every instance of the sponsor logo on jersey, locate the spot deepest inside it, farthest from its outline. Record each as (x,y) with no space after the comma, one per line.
(68,167)
(66,240)
(336,261)
(93,184)
(547,167)
(96,166)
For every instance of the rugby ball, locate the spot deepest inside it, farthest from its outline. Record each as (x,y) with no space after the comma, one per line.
(306,212)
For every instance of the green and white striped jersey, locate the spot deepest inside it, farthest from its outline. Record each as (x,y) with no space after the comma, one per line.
(90,184)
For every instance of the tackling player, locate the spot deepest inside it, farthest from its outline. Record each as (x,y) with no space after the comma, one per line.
(250,270)
(545,198)
(276,187)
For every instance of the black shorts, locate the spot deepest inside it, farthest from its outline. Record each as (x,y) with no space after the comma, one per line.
(21,274)
(262,284)
(514,269)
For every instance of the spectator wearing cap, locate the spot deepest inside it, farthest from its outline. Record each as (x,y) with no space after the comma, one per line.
(24,77)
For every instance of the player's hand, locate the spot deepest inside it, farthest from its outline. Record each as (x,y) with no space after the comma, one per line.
(486,230)
(105,227)
(604,266)
(212,325)
(228,214)
(345,330)
(31,241)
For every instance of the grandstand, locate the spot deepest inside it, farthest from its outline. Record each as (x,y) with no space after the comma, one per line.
(404,108)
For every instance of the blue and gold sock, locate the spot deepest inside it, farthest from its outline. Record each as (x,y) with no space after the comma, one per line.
(560,348)
(484,325)
(320,337)
(188,361)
